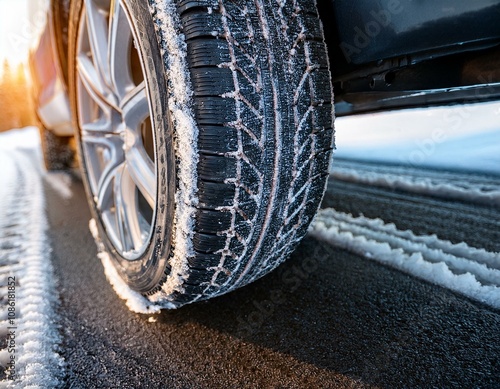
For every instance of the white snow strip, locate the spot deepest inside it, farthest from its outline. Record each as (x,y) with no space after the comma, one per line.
(467,270)
(32,330)
(180,102)
(60,182)
(134,300)
(469,187)
(25,138)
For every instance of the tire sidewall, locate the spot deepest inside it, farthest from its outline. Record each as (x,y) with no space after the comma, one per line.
(147,272)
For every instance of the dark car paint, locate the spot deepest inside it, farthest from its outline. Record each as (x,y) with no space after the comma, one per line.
(376,30)
(428,53)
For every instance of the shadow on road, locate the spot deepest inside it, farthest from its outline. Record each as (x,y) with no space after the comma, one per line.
(326,318)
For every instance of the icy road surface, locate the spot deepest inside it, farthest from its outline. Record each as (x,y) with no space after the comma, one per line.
(337,314)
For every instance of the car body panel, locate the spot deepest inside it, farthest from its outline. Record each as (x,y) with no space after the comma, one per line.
(376,30)
(434,52)
(49,89)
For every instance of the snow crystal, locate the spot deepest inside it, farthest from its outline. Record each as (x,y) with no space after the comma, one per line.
(466,270)
(134,300)
(180,104)
(23,228)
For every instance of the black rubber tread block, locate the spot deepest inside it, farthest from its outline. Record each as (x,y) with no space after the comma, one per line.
(249,89)
(302,177)
(322,117)
(302,189)
(208,221)
(188,5)
(212,195)
(252,179)
(208,244)
(317,55)
(312,27)
(236,247)
(204,261)
(321,163)
(207,52)
(296,217)
(321,91)
(211,81)
(241,225)
(323,140)
(247,204)
(305,155)
(187,295)
(200,24)
(251,148)
(199,276)
(214,110)
(252,119)
(216,168)
(246,66)
(217,139)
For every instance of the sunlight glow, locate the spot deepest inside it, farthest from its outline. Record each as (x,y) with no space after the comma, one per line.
(15,31)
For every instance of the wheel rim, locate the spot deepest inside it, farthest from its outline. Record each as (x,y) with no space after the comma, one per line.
(114,116)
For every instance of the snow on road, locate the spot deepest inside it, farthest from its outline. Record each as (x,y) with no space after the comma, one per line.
(478,188)
(134,300)
(467,270)
(27,290)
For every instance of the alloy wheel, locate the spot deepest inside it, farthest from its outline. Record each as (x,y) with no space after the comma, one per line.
(116,133)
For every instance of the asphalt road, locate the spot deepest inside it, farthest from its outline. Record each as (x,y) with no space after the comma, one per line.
(349,322)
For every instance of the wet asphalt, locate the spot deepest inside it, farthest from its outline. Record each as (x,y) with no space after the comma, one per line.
(342,321)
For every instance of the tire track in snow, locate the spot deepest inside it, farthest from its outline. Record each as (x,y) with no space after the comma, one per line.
(470,271)
(24,254)
(475,188)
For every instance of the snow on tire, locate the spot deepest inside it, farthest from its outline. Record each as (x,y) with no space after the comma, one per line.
(241,107)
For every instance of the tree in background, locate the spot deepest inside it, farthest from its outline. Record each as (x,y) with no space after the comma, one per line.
(16,108)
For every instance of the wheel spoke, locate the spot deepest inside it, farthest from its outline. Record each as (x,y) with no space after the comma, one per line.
(92,82)
(97,27)
(127,211)
(121,212)
(120,40)
(99,128)
(108,174)
(135,107)
(142,171)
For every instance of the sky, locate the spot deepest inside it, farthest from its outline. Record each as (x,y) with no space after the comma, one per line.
(465,137)
(15,30)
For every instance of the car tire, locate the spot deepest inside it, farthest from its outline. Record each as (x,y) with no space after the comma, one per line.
(241,121)
(57,151)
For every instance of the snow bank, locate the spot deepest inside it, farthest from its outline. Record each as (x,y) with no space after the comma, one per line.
(452,185)
(467,270)
(32,327)
(26,138)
